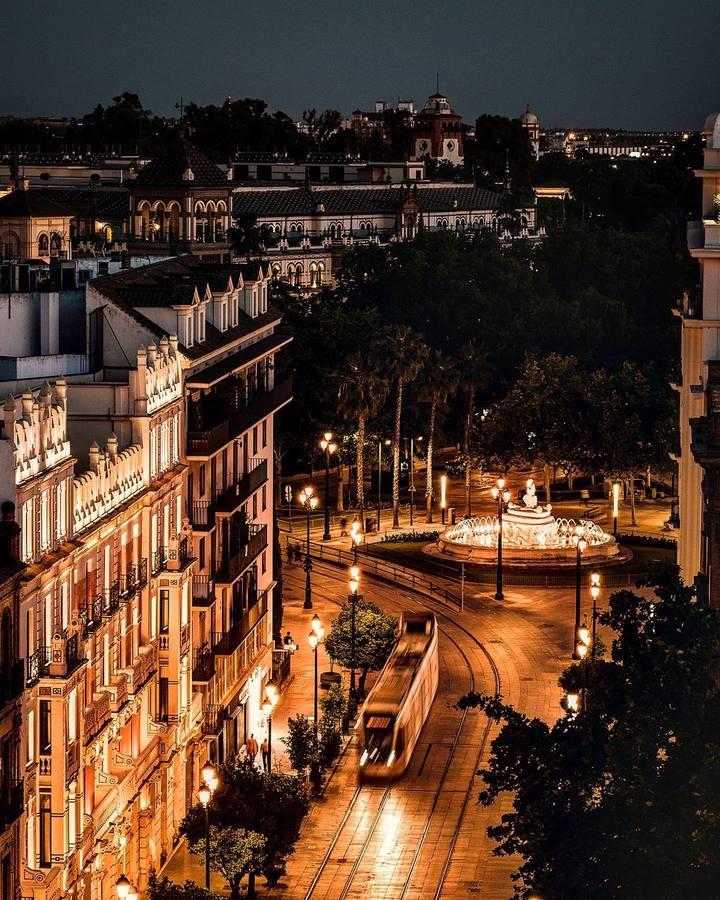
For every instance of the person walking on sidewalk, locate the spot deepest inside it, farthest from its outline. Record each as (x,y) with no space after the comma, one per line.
(252,748)
(265,755)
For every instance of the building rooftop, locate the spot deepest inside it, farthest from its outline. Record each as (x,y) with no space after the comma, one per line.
(171,168)
(343,201)
(45,201)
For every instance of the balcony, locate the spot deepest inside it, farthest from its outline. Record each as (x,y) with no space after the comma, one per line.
(212,720)
(163,555)
(57,661)
(133,581)
(203,590)
(233,565)
(97,715)
(227,500)
(225,422)
(226,643)
(141,670)
(203,664)
(91,616)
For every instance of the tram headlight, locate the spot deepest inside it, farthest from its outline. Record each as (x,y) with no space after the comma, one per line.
(363,758)
(391,758)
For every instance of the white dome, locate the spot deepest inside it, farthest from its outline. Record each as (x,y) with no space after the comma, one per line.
(529,118)
(712,130)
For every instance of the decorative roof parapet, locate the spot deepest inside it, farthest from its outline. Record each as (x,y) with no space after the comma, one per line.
(36,423)
(157,378)
(113,477)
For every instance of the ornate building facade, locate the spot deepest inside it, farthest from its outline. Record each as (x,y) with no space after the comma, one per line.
(136,575)
(699,462)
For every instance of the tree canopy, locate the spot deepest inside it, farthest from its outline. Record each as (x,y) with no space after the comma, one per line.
(623,799)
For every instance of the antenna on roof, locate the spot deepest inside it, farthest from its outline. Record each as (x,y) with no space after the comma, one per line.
(437,82)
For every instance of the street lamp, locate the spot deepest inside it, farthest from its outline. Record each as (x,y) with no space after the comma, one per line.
(357,537)
(616,505)
(443,498)
(205,796)
(308,499)
(122,887)
(580,545)
(328,447)
(501,495)
(314,639)
(269,704)
(354,584)
(594,593)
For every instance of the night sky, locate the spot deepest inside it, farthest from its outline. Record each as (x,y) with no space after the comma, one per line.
(625,63)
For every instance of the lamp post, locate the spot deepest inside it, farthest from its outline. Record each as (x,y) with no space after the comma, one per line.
(443,498)
(308,499)
(209,774)
(501,495)
(616,505)
(328,447)
(354,584)
(580,545)
(314,638)
(594,593)
(357,537)
(269,703)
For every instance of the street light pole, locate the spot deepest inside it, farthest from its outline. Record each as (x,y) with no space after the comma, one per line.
(594,593)
(329,448)
(379,483)
(314,639)
(354,584)
(501,496)
(412,479)
(580,545)
(310,502)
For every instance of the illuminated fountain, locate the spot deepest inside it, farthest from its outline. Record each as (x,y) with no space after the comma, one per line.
(532,536)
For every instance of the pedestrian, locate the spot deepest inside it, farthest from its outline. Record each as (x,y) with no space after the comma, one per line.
(265,755)
(252,748)
(289,549)
(298,553)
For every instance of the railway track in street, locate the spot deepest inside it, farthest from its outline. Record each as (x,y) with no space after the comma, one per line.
(367,832)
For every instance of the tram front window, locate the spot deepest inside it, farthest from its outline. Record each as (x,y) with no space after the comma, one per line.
(378,739)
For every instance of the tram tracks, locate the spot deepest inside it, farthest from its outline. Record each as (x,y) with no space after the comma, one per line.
(406,888)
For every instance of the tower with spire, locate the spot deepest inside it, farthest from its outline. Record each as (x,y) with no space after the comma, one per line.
(437,133)
(531,124)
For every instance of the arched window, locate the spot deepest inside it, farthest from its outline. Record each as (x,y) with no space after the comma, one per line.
(43,245)
(321,273)
(107,234)
(298,275)
(5,645)
(173,221)
(55,244)
(276,270)
(313,275)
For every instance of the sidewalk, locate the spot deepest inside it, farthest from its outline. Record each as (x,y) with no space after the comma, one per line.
(297,697)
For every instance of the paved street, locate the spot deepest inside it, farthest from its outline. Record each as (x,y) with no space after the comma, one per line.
(424,836)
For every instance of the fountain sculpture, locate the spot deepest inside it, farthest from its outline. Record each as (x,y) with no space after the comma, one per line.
(532,536)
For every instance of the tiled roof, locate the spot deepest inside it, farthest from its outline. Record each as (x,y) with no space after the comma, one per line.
(169,166)
(172,282)
(300,202)
(47,201)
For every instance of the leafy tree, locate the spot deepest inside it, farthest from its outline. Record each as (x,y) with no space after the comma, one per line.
(548,411)
(300,742)
(235,853)
(362,389)
(622,800)
(375,636)
(496,138)
(164,889)
(247,237)
(405,354)
(271,804)
(333,705)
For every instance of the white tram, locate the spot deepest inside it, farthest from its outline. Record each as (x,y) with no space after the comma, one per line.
(395,710)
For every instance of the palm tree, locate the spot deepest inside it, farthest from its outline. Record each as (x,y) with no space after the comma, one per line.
(406,353)
(439,381)
(362,390)
(474,377)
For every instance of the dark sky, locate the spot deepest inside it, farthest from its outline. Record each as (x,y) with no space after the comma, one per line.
(627,63)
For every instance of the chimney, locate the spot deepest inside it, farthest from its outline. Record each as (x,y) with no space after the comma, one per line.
(164,344)
(94,456)
(112,447)
(61,392)
(27,406)
(151,354)
(173,344)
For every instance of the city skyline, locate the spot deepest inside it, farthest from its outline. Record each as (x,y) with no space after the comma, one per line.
(490,61)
